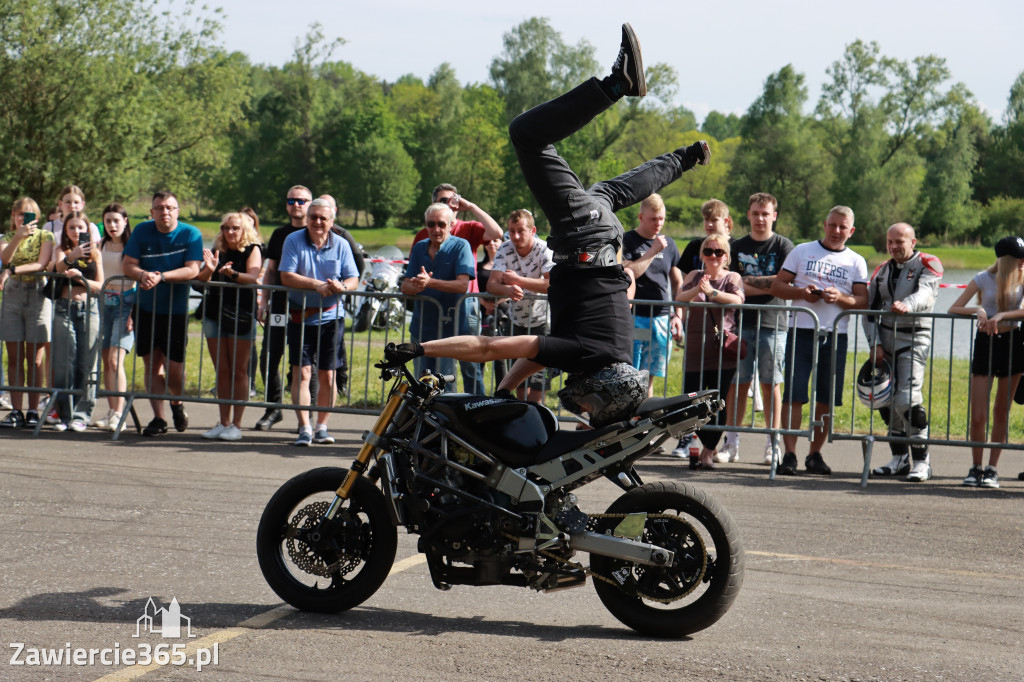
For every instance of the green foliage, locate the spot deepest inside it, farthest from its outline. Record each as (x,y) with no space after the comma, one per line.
(1003,216)
(721,126)
(781,153)
(87,97)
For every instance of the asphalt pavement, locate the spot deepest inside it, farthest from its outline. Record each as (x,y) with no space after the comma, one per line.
(897,581)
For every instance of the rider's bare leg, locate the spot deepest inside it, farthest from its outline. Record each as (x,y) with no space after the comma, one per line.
(519,372)
(483,348)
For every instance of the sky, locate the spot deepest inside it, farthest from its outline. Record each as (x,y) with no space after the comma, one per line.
(722,50)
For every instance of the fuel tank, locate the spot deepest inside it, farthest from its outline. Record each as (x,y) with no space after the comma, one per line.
(511,430)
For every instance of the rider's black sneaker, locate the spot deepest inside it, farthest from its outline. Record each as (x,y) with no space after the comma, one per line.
(399,354)
(629,65)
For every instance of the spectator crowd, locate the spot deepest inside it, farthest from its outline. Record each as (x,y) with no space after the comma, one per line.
(78,296)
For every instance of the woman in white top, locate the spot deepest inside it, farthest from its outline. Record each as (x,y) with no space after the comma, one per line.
(116,328)
(998,351)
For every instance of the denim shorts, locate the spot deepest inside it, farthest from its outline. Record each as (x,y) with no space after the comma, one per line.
(769,349)
(25,314)
(652,345)
(113,327)
(212,329)
(800,361)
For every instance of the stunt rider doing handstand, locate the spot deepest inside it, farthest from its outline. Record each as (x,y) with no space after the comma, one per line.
(591,326)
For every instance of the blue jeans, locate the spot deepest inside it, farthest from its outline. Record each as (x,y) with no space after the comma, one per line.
(76,336)
(472,372)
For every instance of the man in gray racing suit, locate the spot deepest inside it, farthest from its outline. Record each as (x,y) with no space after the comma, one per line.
(906,283)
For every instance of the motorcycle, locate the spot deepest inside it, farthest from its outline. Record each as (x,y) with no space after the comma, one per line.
(377,311)
(487,483)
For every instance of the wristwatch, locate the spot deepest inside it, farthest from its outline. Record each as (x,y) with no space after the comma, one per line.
(714,293)
(162,278)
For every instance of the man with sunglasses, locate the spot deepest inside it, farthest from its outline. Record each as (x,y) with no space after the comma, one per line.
(476,232)
(441,267)
(272,308)
(591,324)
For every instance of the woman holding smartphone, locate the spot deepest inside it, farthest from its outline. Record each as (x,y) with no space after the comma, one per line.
(25,251)
(116,327)
(76,320)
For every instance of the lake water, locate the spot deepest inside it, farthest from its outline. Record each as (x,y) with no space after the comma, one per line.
(951,338)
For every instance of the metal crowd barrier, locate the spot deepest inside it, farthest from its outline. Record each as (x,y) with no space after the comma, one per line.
(943,375)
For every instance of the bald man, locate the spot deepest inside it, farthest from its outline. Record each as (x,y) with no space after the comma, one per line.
(906,283)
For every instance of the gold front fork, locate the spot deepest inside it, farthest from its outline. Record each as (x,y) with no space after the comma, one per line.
(363,458)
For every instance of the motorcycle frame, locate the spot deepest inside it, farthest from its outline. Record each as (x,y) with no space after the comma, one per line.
(611,452)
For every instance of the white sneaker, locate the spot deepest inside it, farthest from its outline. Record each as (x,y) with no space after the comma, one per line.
(771,451)
(921,471)
(215,432)
(730,451)
(899,465)
(5,401)
(112,419)
(231,432)
(78,425)
(682,450)
(60,426)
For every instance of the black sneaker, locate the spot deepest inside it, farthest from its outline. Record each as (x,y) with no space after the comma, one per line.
(31,419)
(269,418)
(701,151)
(973,477)
(179,416)
(14,420)
(629,65)
(989,478)
(815,464)
(157,427)
(788,465)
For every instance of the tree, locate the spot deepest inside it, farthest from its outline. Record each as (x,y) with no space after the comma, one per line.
(874,112)
(1002,161)
(88,97)
(781,152)
(721,126)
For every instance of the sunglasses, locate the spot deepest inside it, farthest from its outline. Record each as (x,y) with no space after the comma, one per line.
(717,253)
(437,223)
(230,228)
(300,202)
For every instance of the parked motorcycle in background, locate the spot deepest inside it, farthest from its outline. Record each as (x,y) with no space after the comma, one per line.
(379,312)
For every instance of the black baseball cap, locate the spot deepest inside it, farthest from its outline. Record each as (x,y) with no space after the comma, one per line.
(1010,246)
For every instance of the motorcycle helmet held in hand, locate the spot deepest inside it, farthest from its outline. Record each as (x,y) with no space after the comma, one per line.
(607,395)
(874,384)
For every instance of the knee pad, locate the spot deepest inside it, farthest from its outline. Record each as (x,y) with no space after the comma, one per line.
(883,412)
(918,418)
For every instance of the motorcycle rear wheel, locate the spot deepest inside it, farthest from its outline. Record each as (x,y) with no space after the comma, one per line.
(298,550)
(363,318)
(704,579)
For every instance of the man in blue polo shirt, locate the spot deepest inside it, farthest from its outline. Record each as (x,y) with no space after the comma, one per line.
(440,267)
(318,265)
(163,255)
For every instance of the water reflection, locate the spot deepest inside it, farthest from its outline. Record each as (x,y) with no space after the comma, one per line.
(950,338)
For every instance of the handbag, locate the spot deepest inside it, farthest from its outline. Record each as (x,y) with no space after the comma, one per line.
(733,347)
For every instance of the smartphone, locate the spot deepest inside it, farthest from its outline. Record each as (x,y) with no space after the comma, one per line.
(28,216)
(818,292)
(84,240)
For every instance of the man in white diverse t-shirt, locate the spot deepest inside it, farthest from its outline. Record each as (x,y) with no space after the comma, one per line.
(521,271)
(826,278)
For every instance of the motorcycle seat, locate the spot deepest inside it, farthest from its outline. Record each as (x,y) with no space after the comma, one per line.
(652,405)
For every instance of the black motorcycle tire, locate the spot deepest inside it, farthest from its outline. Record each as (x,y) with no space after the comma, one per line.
(723,581)
(378,532)
(363,318)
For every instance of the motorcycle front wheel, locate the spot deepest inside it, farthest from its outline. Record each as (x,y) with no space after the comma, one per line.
(706,573)
(320,565)
(363,318)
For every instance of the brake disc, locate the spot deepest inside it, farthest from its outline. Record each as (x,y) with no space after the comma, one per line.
(305,557)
